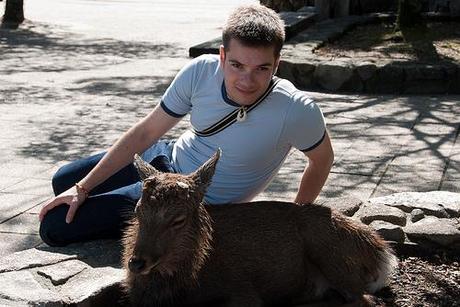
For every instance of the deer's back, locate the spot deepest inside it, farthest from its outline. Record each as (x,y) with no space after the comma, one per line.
(260,242)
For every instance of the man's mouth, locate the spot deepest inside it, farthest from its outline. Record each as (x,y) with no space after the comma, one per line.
(245,91)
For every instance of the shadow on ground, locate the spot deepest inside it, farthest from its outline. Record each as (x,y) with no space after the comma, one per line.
(38,47)
(378,135)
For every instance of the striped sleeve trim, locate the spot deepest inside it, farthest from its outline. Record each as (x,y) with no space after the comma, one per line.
(169,111)
(316,144)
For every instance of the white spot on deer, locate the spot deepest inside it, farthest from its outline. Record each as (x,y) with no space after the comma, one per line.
(183,185)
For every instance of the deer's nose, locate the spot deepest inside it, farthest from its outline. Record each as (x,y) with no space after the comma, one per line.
(136,265)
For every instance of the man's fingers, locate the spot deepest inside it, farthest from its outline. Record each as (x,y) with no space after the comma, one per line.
(72,209)
(48,207)
(52,204)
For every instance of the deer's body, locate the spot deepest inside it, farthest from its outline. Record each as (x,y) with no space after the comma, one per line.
(252,254)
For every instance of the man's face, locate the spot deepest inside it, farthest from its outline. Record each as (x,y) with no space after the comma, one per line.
(247,71)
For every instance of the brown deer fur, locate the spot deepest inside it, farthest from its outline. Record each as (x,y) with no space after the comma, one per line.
(181,252)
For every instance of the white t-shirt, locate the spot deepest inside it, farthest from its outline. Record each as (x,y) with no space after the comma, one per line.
(253,150)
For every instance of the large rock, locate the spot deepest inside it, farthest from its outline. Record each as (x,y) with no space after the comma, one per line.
(445,232)
(441,204)
(345,205)
(370,212)
(389,231)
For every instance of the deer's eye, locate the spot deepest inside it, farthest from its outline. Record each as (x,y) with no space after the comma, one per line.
(178,222)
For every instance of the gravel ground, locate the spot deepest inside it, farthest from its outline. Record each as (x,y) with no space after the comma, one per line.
(424,281)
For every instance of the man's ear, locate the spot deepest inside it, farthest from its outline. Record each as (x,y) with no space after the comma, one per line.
(222,55)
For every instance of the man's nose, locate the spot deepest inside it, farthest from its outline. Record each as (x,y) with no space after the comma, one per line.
(247,77)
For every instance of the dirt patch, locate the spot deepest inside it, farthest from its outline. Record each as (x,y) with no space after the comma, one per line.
(431,43)
(424,281)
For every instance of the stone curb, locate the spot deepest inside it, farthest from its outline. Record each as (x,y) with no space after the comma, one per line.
(310,71)
(295,22)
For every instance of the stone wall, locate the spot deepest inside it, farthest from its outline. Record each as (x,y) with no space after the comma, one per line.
(310,71)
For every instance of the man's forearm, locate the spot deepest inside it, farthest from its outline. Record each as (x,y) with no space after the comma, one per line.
(315,174)
(118,156)
(313,180)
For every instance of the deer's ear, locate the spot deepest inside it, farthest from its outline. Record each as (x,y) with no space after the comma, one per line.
(203,175)
(144,169)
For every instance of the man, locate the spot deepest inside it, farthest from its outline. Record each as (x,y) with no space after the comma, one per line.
(270,117)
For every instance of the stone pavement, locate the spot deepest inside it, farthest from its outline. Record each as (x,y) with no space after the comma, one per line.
(64,95)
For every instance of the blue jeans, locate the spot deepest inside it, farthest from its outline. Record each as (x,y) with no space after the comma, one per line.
(109,206)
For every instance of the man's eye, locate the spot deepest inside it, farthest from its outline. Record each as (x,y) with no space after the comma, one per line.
(263,68)
(236,65)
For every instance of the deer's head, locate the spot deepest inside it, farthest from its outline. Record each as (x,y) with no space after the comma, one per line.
(171,226)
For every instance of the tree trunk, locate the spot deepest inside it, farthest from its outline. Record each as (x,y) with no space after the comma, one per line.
(14,12)
(409,14)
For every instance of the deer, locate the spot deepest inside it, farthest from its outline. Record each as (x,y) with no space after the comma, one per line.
(180,251)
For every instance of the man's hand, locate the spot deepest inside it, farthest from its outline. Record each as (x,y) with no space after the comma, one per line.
(72,197)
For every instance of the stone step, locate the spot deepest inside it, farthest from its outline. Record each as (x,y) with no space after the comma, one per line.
(295,22)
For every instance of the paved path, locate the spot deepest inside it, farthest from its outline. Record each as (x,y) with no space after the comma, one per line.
(67,90)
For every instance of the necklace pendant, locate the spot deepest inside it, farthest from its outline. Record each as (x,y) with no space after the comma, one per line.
(241,115)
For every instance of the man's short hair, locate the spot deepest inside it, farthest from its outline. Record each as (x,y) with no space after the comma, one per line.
(255,26)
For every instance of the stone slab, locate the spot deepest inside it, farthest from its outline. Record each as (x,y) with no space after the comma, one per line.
(6,182)
(401,178)
(453,168)
(13,242)
(31,186)
(362,164)
(25,223)
(344,185)
(17,169)
(23,287)
(61,272)
(31,258)
(35,210)
(100,253)
(14,204)
(451,186)
(79,290)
